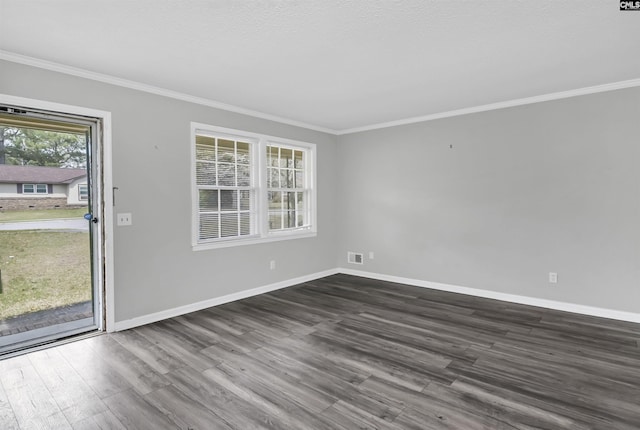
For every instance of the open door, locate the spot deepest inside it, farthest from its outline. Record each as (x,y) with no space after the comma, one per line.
(50,229)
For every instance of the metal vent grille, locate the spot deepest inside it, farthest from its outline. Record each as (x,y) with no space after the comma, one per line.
(355,258)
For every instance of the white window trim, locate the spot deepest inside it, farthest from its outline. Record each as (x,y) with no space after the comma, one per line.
(262,234)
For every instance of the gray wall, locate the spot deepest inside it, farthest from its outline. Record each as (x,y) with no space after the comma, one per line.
(155,268)
(523,191)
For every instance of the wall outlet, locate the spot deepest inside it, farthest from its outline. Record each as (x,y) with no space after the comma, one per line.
(370,255)
(124,219)
(355,258)
(272,265)
(553,278)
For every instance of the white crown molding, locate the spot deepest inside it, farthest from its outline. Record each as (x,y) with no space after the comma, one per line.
(505,297)
(74,71)
(500,105)
(108,79)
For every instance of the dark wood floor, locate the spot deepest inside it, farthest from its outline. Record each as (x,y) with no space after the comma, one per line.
(338,353)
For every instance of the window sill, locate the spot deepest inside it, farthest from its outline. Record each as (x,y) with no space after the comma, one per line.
(275,237)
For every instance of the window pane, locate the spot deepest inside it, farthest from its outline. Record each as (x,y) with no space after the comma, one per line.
(245,224)
(290,179)
(205,148)
(291,201)
(208,200)
(227,174)
(245,200)
(272,156)
(283,178)
(41,188)
(205,173)
(299,160)
(286,157)
(228,200)
(28,188)
(244,179)
(226,151)
(229,225)
(299,179)
(209,226)
(300,220)
(275,220)
(275,199)
(291,219)
(244,155)
(273,176)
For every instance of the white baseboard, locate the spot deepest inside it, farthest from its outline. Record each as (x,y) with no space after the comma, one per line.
(513,298)
(181,310)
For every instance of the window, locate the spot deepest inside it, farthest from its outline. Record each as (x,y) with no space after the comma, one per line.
(250,188)
(287,195)
(83,192)
(225,187)
(34,189)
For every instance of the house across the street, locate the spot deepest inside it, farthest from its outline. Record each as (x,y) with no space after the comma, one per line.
(36,187)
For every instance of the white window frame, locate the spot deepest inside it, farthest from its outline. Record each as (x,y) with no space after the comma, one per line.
(260,227)
(35,189)
(304,190)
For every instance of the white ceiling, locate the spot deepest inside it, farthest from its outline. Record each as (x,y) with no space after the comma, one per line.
(336,64)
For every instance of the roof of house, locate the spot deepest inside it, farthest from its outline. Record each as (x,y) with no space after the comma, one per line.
(39,174)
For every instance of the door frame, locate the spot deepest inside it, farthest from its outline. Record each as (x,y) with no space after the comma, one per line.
(104,267)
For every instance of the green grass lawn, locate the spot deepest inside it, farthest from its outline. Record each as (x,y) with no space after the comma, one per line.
(36,214)
(43,270)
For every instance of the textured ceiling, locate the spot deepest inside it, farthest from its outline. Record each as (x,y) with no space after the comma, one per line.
(333,63)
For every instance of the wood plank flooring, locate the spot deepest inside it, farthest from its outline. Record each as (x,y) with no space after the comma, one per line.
(342,353)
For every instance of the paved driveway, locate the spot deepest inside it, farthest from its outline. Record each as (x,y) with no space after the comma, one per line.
(75,224)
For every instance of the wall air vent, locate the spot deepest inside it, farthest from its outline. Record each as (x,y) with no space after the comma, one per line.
(355,258)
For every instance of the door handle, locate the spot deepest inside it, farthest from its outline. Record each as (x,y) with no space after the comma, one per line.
(90,217)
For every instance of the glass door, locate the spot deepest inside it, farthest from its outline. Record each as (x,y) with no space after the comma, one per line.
(48,227)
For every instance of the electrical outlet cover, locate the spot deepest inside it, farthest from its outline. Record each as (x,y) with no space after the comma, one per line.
(124,219)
